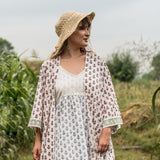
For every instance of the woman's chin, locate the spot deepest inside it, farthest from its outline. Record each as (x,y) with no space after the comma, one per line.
(85,45)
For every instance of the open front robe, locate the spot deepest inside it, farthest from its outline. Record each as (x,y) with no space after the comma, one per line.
(103,110)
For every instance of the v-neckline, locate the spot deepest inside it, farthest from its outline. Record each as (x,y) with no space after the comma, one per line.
(70,72)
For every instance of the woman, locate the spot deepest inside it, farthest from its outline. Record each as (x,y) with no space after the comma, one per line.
(75,109)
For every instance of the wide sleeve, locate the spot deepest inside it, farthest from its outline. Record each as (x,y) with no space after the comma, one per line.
(112,116)
(36,117)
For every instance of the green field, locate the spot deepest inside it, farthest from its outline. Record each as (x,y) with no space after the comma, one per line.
(16,99)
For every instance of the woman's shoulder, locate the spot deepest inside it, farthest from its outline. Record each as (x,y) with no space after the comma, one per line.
(48,62)
(96,57)
(93,55)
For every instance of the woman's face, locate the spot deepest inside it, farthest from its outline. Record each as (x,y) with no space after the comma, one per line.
(80,37)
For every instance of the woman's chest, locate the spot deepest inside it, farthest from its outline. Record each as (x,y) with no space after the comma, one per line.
(74,66)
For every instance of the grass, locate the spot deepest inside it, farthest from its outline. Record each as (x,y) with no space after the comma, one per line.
(26,154)
(119,154)
(137,91)
(132,154)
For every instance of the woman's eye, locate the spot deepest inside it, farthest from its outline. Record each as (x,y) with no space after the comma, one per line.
(81,28)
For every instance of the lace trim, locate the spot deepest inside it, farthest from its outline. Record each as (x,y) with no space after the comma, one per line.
(75,94)
(34,123)
(112,122)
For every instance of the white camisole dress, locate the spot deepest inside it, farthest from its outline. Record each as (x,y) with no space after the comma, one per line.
(71,128)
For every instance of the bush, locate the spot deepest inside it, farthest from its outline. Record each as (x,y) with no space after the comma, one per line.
(123,67)
(17,90)
(156,65)
(155,73)
(152,75)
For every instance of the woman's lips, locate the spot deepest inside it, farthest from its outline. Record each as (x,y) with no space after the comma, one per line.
(86,40)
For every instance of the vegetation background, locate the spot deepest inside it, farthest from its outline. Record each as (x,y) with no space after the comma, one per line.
(134,85)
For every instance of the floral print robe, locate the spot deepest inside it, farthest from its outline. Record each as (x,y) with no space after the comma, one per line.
(103,110)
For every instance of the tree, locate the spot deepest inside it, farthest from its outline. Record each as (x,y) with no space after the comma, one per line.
(143,52)
(154,74)
(123,67)
(5,45)
(156,63)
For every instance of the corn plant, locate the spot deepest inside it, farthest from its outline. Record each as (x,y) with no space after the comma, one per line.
(156,146)
(17,90)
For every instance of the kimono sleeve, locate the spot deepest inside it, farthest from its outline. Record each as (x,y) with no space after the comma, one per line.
(112,117)
(36,117)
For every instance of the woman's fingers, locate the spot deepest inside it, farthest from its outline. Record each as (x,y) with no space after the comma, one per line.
(102,148)
(36,151)
(106,148)
(99,148)
(36,154)
(39,153)
(103,143)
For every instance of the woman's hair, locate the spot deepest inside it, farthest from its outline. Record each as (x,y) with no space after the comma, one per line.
(86,21)
(88,48)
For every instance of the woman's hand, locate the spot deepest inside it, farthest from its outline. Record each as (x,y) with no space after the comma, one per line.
(37,146)
(36,151)
(104,140)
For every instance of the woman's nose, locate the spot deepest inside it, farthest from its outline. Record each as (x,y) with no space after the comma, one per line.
(87,32)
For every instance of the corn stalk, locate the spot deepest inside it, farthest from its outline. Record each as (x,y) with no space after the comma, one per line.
(17,90)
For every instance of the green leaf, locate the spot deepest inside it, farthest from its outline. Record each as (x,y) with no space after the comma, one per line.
(154,104)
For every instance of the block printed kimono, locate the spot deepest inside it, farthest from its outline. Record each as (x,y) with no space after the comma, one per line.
(102,107)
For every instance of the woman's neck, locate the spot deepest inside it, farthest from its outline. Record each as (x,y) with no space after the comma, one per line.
(72,53)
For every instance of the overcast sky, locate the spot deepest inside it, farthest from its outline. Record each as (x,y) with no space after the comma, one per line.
(29,24)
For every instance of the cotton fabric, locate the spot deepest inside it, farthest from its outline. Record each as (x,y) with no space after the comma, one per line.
(71,127)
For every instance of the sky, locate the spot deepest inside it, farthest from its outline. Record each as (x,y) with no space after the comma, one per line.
(29,24)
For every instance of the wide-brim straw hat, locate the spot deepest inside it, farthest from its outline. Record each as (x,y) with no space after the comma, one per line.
(67,24)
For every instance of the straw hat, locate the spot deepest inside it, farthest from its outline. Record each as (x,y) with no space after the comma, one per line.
(67,24)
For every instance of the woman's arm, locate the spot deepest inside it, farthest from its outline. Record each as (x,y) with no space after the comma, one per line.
(112,116)
(37,145)
(36,118)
